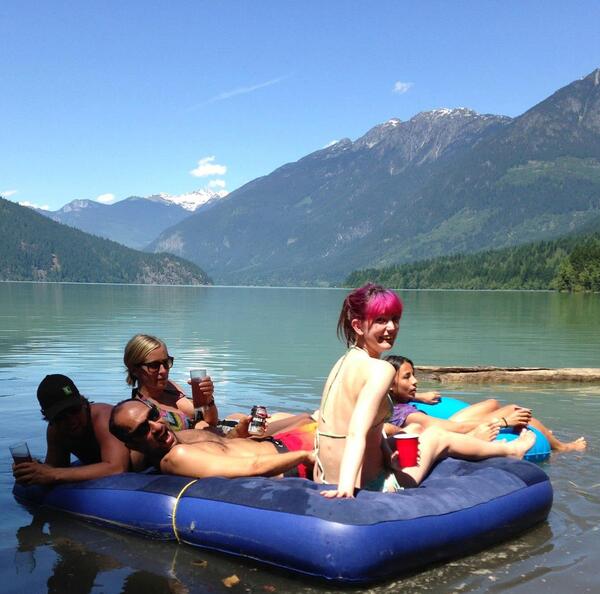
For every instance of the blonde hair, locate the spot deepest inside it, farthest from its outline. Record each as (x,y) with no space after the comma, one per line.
(136,350)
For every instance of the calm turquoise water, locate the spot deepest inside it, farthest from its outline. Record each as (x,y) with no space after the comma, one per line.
(274,347)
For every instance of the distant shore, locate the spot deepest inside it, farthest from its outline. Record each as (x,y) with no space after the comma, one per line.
(515,375)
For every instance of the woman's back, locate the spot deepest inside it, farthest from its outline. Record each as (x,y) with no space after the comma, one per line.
(354,374)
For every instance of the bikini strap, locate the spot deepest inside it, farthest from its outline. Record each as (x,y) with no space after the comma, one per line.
(322,408)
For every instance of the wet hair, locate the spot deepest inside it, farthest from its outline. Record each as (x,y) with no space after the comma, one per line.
(136,351)
(366,303)
(118,431)
(398,360)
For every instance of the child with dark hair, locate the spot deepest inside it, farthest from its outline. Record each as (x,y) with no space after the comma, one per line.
(483,419)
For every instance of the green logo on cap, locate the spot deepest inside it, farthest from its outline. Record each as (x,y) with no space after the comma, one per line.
(67,391)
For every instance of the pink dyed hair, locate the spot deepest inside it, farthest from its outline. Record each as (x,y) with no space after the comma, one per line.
(366,303)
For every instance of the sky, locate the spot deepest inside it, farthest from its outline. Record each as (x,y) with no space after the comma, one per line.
(107,99)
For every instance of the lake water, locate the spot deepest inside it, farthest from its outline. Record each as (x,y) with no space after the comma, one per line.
(274,347)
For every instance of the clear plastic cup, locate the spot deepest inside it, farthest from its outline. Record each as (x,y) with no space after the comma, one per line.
(20,452)
(196,376)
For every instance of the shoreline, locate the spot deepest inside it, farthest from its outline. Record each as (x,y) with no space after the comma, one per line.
(514,375)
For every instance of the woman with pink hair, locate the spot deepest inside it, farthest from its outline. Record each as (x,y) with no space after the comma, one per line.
(350,447)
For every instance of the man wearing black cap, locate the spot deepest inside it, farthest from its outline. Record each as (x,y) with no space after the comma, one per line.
(74,427)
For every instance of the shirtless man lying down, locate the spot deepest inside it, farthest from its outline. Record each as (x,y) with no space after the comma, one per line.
(204,453)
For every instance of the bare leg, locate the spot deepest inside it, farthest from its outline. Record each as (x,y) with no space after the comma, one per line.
(279,415)
(475,411)
(288,423)
(491,411)
(415,428)
(435,444)
(577,445)
(485,431)
(519,417)
(278,422)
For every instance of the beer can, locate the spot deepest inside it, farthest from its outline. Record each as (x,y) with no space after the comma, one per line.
(259,419)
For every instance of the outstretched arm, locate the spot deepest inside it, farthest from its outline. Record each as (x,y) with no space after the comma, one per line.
(114,457)
(187,460)
(423,397)
(428,397)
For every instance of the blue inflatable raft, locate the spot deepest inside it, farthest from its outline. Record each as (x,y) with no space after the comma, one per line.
(460,508)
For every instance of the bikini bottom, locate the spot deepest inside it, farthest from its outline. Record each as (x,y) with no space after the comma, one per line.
(384,482)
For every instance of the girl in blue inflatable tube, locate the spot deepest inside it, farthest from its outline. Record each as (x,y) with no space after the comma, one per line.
(350,447)
(483,419)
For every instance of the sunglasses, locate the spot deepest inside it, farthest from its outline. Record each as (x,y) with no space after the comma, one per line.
(144,427)
(154,366)
(67,412)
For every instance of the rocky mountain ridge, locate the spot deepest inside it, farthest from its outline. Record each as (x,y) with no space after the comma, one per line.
(443,182)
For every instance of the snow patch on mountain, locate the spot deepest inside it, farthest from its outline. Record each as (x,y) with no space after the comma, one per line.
(192,200)
(76,205)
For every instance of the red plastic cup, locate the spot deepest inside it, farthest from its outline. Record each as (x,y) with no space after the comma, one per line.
(407,446)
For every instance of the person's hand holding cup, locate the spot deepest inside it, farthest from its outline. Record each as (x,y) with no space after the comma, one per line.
(20,452)
(201,387)
(407,446)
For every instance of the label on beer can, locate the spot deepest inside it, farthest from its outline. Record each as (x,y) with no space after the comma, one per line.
(259,419)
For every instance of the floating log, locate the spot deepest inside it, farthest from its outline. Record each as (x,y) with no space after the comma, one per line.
(515,375)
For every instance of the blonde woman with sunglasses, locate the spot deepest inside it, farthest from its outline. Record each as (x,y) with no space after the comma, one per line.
(148,364)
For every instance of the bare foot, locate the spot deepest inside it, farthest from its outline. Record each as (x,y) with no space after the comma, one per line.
(517,448)
(519,417)
(572,446)
(485,431)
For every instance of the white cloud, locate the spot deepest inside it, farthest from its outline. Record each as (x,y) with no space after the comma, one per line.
(31,205)
(402,87)
(331,143)
(206,167)
(8,193)
(216,183)
(106,198)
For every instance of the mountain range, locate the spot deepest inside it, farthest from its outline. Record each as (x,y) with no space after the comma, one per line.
(35,248)
(444,182)
(134,221)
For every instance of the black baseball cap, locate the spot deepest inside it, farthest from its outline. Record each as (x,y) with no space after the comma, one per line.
(57,393)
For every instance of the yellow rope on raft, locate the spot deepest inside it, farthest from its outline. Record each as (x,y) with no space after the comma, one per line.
(173,523)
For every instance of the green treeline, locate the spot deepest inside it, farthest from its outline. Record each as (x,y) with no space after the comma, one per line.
(35,248)
(580,271)
(571,263)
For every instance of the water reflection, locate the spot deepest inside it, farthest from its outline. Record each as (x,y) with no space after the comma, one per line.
(75,569)
(84,552)
(150,583)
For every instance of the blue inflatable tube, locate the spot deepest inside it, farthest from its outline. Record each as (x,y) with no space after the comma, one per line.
(461,507)
(538,452)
